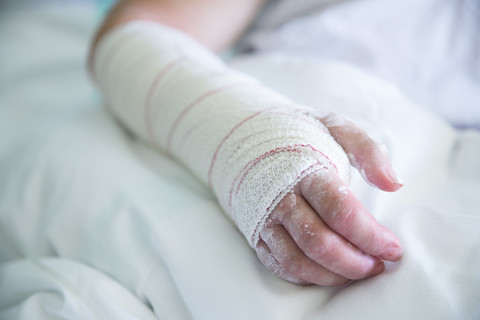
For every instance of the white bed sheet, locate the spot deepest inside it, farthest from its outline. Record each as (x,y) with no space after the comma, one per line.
(95,225)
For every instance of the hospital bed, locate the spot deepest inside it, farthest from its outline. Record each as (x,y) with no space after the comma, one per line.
(96,225)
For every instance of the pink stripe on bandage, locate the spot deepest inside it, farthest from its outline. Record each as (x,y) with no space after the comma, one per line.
(249,166)
(148,105)
(194,103)
(292,114)
(214,158)
(310,170)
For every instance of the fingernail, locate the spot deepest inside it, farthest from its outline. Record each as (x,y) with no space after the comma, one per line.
(393,177)
(394,253)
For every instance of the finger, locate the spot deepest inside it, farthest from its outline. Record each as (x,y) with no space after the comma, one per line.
(322,245)
(294,261)
(342,212)
(369,157)
(266,257)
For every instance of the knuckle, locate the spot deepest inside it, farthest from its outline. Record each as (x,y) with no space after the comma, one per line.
(345,217)
(369,244)
(292,262)
(275,267)
(287,206)
(320,248)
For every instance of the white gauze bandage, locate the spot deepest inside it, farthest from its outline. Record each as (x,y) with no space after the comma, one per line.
(250,144)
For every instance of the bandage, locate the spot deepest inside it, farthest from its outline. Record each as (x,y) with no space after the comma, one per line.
(250,144)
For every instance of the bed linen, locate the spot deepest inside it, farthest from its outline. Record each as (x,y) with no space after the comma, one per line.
(96,225)
(429,48)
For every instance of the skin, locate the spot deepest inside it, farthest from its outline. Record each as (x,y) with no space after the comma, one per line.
(320,233)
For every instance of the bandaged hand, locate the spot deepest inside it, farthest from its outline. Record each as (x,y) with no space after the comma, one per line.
(320,233)
(277,168)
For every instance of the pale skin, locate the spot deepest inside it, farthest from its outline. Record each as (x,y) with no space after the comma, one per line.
(320,233)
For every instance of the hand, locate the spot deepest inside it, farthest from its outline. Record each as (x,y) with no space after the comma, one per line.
(321,234)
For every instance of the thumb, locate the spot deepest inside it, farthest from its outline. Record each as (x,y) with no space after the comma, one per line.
(369,157)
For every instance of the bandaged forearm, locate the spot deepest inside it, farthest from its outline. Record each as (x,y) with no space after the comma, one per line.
(249,144)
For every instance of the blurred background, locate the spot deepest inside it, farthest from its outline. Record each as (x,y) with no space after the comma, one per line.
(429,48)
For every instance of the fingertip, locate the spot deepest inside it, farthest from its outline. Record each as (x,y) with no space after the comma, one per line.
(390,186)
(395,181)
(385,179)
(394,252)
(378,268)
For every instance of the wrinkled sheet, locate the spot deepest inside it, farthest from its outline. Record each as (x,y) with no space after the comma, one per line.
(95,225)
(429,48)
